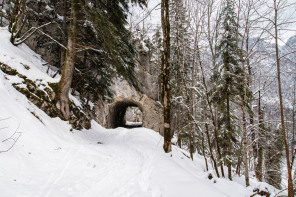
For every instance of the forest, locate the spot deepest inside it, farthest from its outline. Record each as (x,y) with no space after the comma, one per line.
(225,69)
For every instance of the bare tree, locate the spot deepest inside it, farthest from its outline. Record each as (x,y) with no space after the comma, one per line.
(17,19)
(278,6)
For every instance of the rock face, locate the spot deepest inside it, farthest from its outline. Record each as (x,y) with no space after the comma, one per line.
(145,97)
(111,115)
(147,73)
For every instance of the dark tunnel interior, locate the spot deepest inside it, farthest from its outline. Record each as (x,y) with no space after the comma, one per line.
(118,111)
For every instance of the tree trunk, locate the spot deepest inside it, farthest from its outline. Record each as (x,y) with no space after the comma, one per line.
(217,142)
(258,167)
(211,151)
(203,150)
(228,136)
(190,137)
(293,129)
(244,138)
(290,183)
(14,13)
(244,134)
(68,69)
(2,6)
(251,116)
(179,126)
(166,74)
(64,28)
(192,108)
(211,110)
(17,20)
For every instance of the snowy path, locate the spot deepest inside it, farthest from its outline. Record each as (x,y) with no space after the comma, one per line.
(126,163)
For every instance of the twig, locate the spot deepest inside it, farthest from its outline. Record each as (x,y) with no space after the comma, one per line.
(280,192)
(13,139)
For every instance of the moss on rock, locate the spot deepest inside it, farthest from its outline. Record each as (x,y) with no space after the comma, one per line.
(46,99)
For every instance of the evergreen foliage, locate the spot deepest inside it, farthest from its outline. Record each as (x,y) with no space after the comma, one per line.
(181,71)
(227,82)
(107,42)
(104,49)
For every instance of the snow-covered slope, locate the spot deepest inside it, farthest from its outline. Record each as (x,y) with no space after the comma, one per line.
(50,160)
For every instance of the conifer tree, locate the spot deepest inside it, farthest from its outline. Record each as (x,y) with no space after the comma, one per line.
(181,73)
(227,82)
(106,21)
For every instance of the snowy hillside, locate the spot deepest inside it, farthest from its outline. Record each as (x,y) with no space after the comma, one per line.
(265,57)
(51,160)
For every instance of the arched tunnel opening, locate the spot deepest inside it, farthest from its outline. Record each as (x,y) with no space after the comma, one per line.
(126,113)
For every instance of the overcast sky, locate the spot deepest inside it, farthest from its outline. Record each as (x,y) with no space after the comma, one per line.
(152,14)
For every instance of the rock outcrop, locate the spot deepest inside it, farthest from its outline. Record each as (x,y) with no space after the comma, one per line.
(111,115)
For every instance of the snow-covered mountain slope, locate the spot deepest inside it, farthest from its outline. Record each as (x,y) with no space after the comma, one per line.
(266,69)
(49,159)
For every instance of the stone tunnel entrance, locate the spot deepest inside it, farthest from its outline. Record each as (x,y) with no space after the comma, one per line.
(126,113)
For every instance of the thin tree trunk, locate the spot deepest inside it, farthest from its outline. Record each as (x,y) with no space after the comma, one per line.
(228,136)
(68,69)
(238,167)
(2,6)
(211,151)
(245,153)
(203,150)
(258,168)
(64,28)
(190,137)
(217,141)
(14,13)
(193,82)
(251,117)
(290,183)
(248,81)
(166,74)
(211,111)
(203,137)
(178,126)
(293,129)
(18,16)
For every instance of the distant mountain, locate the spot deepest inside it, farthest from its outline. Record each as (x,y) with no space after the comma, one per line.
(264,55)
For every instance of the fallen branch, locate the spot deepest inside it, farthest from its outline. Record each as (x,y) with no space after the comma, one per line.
(12,138)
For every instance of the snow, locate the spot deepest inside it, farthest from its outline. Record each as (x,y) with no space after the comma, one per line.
(60,17)
(10,55)
(49,159)
(129,123)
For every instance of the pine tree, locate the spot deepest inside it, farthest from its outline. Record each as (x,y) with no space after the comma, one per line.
(101,43)
(181,74)
(227,82)
(111,42)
